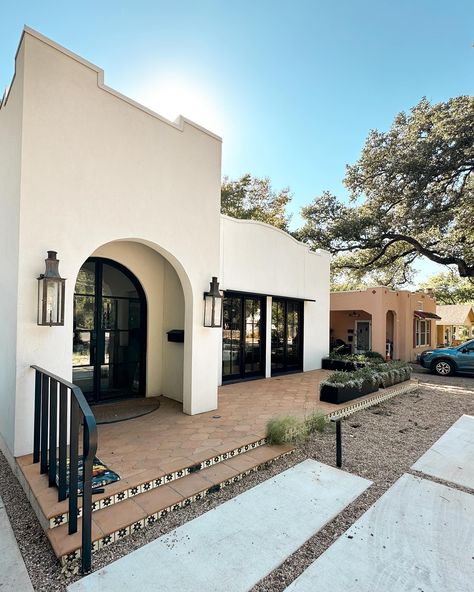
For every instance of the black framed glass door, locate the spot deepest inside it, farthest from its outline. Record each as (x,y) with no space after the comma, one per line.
(109,332)
(243,336)
(287,335)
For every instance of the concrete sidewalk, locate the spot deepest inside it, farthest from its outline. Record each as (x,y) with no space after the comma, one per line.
(13,574)
(235,545)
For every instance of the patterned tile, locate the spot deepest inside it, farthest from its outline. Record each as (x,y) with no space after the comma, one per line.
(133,491)
(137,526)
(106,540)
(120,496)
(150,520)
(106,502)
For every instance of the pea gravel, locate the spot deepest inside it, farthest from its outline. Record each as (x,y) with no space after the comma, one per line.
(380,444)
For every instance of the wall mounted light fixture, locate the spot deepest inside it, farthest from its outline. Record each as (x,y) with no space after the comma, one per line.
(213,305)
(51,288)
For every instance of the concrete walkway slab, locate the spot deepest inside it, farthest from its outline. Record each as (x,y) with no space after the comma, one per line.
(419,536)
(238,543)
(13,574)
(451,458)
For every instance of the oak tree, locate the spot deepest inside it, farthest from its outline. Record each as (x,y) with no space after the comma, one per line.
(411,196)
(253,198)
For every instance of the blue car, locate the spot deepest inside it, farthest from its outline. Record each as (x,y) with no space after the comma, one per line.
(445,361)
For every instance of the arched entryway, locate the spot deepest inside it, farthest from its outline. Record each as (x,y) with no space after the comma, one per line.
(109,343)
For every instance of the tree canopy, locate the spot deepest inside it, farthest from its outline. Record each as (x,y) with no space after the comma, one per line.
(253,198)
(449,288)
(411,196)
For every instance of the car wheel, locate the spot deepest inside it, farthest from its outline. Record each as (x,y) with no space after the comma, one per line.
(443,368)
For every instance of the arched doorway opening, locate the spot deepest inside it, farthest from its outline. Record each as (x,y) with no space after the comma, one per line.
(109,343)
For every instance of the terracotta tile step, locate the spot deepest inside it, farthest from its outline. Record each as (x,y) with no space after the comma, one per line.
(119,520)
(55,514)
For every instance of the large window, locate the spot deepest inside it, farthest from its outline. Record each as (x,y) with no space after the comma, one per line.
(422,332)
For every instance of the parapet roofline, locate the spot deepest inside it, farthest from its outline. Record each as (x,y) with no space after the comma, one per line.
(274,228)
(177,124)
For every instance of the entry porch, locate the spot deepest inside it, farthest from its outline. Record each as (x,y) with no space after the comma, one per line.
(167,460)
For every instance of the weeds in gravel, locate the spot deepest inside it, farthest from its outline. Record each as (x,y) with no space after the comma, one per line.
(291,430)
(286,430)
(317,423)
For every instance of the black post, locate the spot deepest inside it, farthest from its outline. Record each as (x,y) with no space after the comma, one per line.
(44,423)
(37,424)
(63,401)
(53,431)
(73,465)
(338,443)
(86,502)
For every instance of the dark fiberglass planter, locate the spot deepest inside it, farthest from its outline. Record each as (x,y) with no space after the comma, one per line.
(341,394)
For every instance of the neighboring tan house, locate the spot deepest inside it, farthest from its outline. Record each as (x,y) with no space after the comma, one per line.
(455,325)
(131,203)
(395,323)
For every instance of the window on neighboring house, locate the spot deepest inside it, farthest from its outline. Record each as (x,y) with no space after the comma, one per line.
(422,332)
(420,304)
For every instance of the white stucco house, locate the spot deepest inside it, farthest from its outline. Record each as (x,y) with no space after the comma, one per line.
(131,204)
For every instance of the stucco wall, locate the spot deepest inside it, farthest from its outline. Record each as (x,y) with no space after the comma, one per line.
(376,302)
(11,116)
(97,168)
(261,259)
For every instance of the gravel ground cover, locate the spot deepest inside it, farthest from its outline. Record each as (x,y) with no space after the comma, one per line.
(380,444)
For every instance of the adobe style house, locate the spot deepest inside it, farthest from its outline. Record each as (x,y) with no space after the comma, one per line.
(130,202)
(395,323)
(456,323)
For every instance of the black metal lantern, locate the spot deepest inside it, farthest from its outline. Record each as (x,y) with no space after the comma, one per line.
(213,305)
(51,289)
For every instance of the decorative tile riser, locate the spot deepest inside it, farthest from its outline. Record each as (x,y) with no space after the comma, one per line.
(375,400)
(152,518)
(106,502)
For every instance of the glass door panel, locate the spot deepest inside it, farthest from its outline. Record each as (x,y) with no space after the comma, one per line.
(287,326)
(278,335)
(242,348)
(231,352)
(109,332)
(252,344)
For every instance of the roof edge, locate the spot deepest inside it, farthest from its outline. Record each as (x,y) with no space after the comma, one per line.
(179,122)
(274,228)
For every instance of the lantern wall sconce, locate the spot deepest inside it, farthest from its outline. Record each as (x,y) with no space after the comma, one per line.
(51,288)
(213,305)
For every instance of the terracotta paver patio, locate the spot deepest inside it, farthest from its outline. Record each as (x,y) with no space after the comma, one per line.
(166,437)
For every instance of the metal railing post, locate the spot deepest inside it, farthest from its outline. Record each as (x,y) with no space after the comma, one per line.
(45,448)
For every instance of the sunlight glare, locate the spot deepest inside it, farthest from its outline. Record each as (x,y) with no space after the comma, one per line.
(173,96)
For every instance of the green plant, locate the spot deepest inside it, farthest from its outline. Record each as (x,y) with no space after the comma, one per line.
(372,355)
(317,422)
(284,430)
(350,379)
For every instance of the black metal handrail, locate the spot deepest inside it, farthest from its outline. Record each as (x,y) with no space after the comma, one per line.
(45,447)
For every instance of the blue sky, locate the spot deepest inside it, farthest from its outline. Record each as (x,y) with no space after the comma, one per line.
(292,87)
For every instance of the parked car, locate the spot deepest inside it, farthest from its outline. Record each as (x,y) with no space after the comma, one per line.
(448,360)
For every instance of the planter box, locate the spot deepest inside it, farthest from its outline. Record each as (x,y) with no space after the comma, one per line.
(341,394)
(346,365)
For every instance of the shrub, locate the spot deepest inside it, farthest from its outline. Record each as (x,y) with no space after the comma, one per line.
(371,355)
(316,423)
(285,430)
